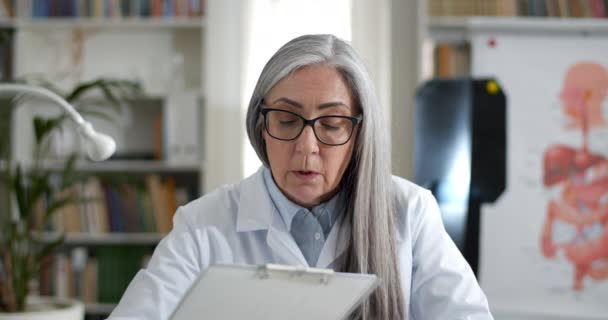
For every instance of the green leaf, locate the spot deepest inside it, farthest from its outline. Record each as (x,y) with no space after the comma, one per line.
(114,92)
(6,111)
(44,126)
(96,114)
(18,187)
(40,186)
(54,206)
(82,88)
(108,94)
(127,88)
(69,175)
(5,178)
(49,247)
(60,203)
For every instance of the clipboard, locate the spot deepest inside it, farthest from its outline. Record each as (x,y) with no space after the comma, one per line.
(274,291)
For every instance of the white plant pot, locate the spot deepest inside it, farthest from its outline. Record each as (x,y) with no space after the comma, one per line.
(48,308)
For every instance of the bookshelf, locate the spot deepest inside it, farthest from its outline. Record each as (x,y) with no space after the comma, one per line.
(447,25)
(167,53)
(110,23)
(458,29)
(100,309)
(104,23)
(111,238)
(118,166)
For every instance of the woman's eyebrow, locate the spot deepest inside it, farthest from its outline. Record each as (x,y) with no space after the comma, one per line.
(288,101)
(332,104)
(321,106)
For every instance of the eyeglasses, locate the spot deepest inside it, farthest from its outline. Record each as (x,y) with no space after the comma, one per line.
(330,130)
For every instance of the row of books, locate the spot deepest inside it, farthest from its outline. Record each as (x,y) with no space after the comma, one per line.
(452,60)
(116,8)
(565,8)
(531,8)
(126,207)
(101,276)
(7,8)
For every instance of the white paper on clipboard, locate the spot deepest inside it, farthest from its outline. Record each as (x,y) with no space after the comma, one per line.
(274,292)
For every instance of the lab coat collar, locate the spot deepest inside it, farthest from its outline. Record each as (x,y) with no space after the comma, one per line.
(282,243)
(256,212)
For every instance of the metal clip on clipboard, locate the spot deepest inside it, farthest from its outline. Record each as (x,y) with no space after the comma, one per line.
(322,275)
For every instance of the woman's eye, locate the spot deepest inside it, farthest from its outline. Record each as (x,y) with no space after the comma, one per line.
(287,122)
(332,124)
(330,127)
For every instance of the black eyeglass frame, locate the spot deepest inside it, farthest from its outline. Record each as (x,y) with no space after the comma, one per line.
(311,122)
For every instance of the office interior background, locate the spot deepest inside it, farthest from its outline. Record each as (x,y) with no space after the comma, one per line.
(498,106)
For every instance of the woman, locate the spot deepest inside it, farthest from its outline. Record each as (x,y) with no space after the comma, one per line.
(325,197)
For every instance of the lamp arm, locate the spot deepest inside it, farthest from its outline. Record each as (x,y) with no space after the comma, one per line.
(46,93)
(99,146)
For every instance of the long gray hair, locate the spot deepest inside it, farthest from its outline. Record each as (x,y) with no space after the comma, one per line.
(367,180)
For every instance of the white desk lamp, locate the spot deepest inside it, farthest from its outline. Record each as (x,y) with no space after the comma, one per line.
(99,146)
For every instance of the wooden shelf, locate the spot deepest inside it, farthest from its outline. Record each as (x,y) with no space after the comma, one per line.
(112,23)
(455,29)
(99,308)
(125,166)
(7,22)
(112,238)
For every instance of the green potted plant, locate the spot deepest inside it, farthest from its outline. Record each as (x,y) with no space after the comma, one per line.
(22,249)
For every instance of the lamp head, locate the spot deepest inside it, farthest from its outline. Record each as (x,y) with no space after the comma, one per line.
(99,146)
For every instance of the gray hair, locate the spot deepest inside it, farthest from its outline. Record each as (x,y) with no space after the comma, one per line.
(367,181)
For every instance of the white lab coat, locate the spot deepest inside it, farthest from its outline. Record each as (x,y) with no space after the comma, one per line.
(238,224)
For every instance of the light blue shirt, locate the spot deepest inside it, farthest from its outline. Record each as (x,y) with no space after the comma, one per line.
(288,210)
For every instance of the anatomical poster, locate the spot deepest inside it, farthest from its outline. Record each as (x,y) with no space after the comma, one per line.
(544,243)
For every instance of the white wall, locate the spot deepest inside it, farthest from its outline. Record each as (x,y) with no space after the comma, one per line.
(224,125)
(406,36)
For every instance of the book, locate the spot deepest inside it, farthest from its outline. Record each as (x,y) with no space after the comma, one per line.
(564,8)
(170,193)
(586,8)
(116,266)
(159,203)
(597,9)
(89,293)
(444,60)
(452,60)
(576,9)
(115,209)
(181,128)
(507,8)
(552,8)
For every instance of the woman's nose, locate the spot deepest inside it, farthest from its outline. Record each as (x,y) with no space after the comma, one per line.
(307,141)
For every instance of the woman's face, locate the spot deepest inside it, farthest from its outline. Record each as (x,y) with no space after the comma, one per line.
(307,171)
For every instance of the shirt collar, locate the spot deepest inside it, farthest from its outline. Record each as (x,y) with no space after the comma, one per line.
(287,209)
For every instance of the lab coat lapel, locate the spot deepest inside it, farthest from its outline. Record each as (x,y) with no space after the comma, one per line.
(283,244)
(336,243)
(256,212)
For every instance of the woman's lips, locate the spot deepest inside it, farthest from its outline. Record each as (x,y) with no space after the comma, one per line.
(306,175)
